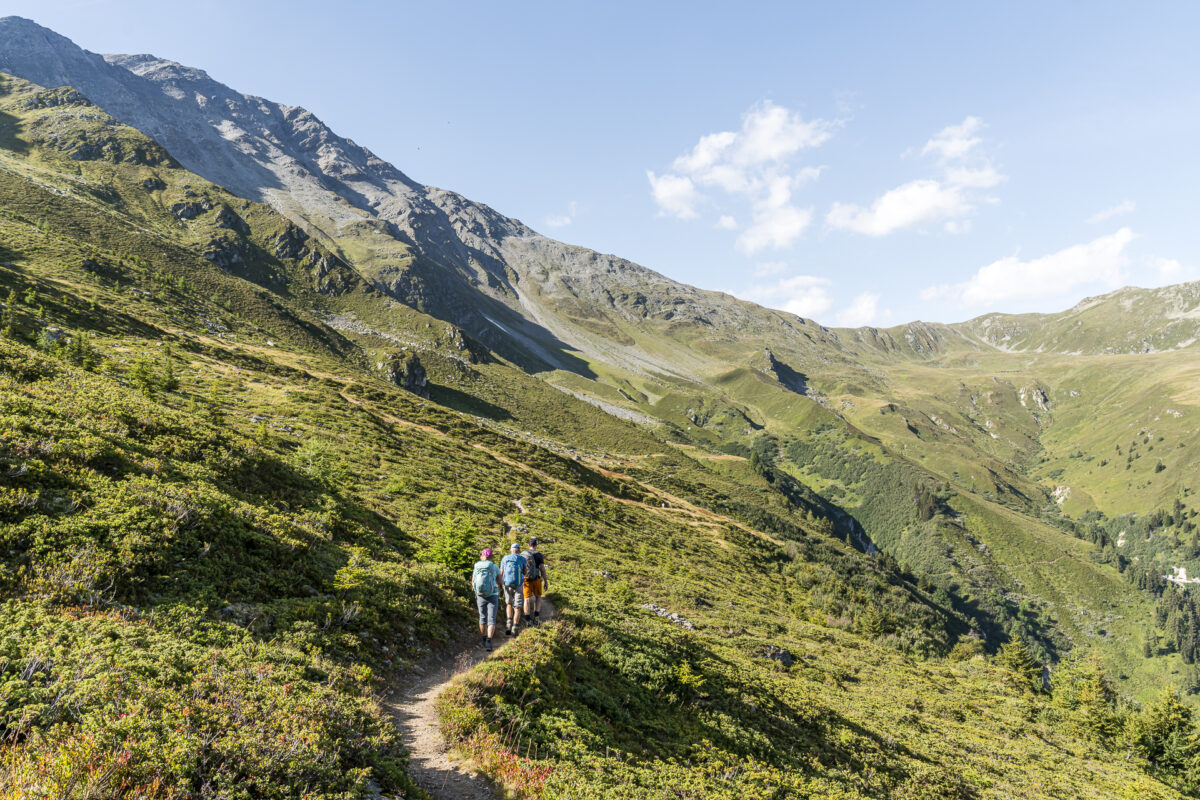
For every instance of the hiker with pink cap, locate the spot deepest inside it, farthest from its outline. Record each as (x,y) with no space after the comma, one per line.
(486,582)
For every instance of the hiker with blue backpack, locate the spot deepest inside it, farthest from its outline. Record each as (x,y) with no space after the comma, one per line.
(486,582)
(512,574)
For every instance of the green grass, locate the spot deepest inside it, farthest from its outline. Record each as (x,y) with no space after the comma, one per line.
(223,534)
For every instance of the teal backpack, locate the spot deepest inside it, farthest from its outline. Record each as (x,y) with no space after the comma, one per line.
(484,579)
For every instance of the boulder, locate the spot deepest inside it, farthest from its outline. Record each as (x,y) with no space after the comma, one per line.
(405,370)
(779,654)
(191,209)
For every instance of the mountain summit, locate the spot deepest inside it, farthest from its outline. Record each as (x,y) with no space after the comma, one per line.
(530,297)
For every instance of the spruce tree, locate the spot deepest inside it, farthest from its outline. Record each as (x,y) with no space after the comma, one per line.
(1015,657)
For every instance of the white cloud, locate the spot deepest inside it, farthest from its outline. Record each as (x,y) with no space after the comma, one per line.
(1101,261)
(562,220)
(948,199)
(1170,270)
(954,141)
(676,196)
(775,226)
(863,310)
(911,204)
(769,134)
(802,295)
(1124,207)
(777,223)
(753,165)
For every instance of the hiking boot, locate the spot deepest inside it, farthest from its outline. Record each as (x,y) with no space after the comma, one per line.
(487,645)
(537,617)
(483,640)
(508,631)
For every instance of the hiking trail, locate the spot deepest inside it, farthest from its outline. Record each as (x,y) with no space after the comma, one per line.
(416,716)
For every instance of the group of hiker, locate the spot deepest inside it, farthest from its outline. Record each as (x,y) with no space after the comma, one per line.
(521,578)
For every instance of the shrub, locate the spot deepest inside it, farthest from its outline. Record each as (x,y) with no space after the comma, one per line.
(453,542)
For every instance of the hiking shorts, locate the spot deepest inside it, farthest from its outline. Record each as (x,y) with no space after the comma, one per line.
(532,588)
(487,608)
(512,595)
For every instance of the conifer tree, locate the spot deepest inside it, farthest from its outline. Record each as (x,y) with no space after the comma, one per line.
(1015,657)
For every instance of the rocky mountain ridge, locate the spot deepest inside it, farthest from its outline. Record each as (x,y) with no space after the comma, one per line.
(539,302)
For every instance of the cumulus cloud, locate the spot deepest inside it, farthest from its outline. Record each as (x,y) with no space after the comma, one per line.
(1124,207)
(863,310)
(1101,261)
(802,295)
(948,198)
(750,165)
(562,220)
(911,204)
(954,141)
(675,195)
(769,133)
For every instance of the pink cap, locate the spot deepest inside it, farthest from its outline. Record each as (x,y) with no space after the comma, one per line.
(487,553)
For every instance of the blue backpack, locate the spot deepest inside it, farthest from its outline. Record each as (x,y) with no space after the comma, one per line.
(484,580)
(513,568)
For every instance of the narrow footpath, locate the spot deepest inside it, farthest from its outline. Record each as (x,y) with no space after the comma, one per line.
(417,718)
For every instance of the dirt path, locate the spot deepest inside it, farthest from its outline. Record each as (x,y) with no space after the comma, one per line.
(417,718)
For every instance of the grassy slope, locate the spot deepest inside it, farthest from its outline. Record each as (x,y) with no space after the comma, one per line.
(270,534)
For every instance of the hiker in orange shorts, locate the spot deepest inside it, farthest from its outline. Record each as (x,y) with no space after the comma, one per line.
(535,582)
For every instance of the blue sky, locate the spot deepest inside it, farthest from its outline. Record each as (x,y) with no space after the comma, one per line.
(853,162)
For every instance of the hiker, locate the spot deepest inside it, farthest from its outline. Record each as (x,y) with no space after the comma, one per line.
(512,574)
(486,582)
(535,581)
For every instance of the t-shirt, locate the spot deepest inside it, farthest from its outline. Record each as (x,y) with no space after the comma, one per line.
(536,560)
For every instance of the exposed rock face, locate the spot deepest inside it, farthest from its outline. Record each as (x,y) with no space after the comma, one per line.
(526,296)
(790,378)
(54,98)
(404,369)
(225,253)
(228,218)
(290,243)
(191,209)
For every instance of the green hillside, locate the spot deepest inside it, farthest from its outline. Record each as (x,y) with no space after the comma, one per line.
(241,487)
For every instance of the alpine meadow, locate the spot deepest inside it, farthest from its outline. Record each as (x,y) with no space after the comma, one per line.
(264,399)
